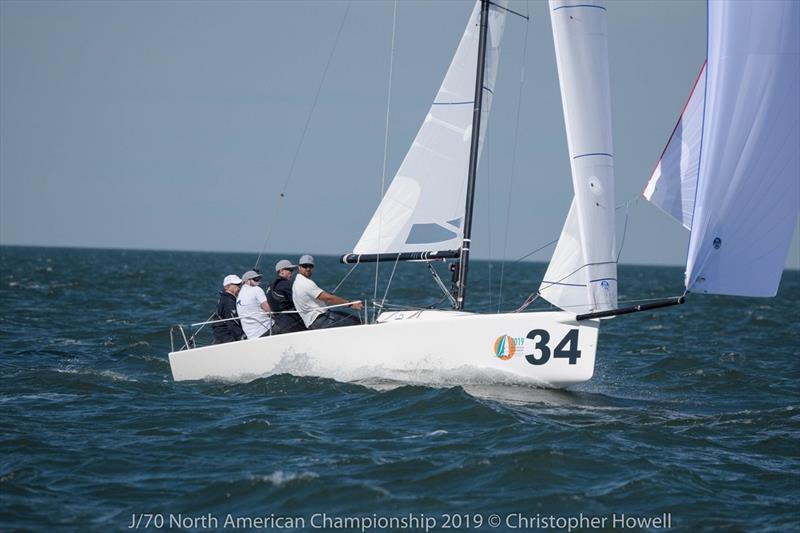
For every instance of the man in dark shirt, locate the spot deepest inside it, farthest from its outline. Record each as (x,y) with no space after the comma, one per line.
(279,297)
(229,330)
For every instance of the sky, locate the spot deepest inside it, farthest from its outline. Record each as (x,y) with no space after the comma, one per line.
(174,125)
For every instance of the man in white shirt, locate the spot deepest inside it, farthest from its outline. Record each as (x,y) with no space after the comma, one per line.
(252,307)
(310,301)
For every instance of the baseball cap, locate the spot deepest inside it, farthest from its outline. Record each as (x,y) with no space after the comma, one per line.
(231,279)
(306,260)
(250,274)
(283,263)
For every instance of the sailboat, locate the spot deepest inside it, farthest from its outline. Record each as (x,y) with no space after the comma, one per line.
(426,215)
(741,209)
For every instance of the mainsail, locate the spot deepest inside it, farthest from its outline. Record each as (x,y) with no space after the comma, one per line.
(423,208)
(748,164)
(582,275)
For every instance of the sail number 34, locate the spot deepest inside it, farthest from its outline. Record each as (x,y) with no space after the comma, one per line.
(566,349)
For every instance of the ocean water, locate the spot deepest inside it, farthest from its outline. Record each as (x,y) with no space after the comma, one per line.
(691,422)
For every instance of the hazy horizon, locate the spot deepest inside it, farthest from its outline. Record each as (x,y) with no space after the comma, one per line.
(290,255)
(173,125)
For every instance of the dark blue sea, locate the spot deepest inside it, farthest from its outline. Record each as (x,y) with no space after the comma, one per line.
(691,422)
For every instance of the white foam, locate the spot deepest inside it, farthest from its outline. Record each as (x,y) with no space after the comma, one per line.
(279,477)
(382,378)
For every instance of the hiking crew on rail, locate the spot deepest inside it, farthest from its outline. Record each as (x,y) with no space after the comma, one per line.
(293,302)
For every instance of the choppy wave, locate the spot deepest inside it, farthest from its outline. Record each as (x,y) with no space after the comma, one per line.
(693,411)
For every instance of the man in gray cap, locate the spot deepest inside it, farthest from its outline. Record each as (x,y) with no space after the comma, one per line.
(311,301)
(253,307)
(279,297)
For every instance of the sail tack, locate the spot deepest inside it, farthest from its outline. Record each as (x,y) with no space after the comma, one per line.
(748,165)
(423,208)
(582,275)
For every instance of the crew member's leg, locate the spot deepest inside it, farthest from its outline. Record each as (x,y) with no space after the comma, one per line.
(334,319)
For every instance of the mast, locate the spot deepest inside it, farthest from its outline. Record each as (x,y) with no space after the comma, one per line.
(460,283)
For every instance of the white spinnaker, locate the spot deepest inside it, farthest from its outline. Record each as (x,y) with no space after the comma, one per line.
(748,190)
(673,185)
(585,253)
(423,208)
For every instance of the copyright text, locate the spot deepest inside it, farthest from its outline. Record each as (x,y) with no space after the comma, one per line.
(409,521)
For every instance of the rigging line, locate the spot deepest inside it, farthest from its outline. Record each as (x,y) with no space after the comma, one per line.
(191,338)
(597,263)
(498,6)
(436,304)
(302,136)
(391,277)
(487,147)
(385,149)
(531,298)
(442,286)
(539,249)
(335,290)
(624,230)
(633,200)
(626,205)
(513,161)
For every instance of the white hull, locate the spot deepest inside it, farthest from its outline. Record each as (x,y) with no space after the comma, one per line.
(416,347)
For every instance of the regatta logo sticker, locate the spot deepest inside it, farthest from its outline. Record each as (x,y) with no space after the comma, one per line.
(505,346)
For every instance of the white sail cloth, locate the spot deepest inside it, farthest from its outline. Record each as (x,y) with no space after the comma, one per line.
(748,190)
(673,185)
(582,275)
(748,162)
(423,208)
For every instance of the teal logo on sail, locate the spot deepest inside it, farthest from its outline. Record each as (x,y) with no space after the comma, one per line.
(506,346)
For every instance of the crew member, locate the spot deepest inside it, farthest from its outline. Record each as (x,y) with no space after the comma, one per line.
(230,329)
(310,301)
(253,307)
(279,297)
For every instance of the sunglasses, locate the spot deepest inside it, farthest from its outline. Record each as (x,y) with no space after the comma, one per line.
(306,266)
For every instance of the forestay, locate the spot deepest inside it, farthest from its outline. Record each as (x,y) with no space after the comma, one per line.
(423,208)
(673,185)
(582,275)
(748,182)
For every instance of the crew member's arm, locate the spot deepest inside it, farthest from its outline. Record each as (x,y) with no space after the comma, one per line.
(262,299)
(332,299)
